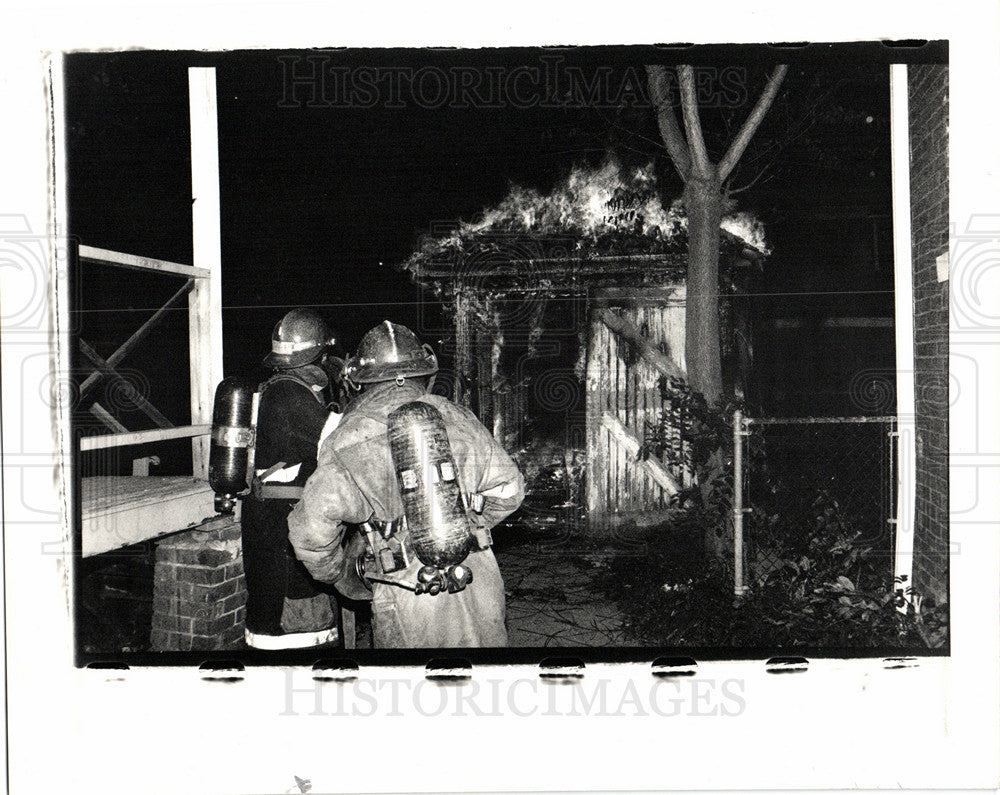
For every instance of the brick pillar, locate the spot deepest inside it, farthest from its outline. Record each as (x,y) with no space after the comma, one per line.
(199,594)
(928,93)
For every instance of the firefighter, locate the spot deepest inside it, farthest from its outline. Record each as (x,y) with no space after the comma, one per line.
(286,608)
(359,482)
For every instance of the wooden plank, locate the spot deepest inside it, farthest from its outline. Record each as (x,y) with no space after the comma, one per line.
(642,296)
(629,444)
(499,404)
(599,353)
(627,330)
(205,300)
(131,393)
(645,492)
(143,437)
(121,511)
(607,403)
(485,409)
(596,463)
(463,344)
(134,262)
(653,396)
(126,347)
(630,419)
(105,416)
(622,496)
(611,495)
(673,328)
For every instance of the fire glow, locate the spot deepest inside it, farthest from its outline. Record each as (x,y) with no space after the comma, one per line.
(593,204)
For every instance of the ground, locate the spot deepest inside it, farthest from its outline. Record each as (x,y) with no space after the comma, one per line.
(554,575)
(555,579)
(558,580)
(555,597)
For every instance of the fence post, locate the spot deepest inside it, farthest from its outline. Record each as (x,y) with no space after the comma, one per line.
(739,589)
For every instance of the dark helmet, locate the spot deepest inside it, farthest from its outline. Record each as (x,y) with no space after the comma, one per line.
(300,338)
(387,352)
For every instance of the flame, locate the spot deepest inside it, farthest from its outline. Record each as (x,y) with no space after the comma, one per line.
(748,228)
(593,203)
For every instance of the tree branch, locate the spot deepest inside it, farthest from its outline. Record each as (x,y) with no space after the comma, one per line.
(667,121)
(753,122)
(692,122)
(751,183)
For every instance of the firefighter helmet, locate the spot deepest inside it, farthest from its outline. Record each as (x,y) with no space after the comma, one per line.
(299,338)
(387,352)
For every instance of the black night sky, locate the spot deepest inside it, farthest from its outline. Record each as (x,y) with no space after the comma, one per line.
(324,178)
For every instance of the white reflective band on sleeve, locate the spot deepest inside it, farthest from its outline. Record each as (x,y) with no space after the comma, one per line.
(286,475)
(502,492)
(285,348)
(332,422)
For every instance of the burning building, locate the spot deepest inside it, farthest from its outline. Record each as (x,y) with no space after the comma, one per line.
(565,319)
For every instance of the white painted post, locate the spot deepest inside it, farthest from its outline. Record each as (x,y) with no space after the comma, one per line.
(739,586)
(205,300)
(905,390)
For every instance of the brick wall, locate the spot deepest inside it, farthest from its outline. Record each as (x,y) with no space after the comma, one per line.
(199,594)
(928,104)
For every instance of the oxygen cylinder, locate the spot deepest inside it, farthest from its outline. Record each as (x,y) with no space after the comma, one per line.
(232,438)
(440,531)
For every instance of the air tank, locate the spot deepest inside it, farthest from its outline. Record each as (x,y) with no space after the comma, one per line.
(428,479)
(232,438)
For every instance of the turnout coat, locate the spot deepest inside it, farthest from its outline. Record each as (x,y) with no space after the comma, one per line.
(355,482)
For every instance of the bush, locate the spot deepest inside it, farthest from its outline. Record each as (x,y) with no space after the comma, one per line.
(825,583)
(832,596)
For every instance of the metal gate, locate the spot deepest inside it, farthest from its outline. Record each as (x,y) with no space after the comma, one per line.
(791,472)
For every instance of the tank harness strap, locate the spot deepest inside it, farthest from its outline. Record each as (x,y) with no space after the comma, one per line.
(289,377)
(388,548)
(263,490)
(383,566)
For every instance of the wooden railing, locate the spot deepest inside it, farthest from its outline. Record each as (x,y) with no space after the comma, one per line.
(202,286)
(201,343)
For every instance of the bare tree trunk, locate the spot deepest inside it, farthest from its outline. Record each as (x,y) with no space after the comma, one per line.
(703,200)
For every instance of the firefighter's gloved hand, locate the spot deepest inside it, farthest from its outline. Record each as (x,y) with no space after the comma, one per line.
(349,582)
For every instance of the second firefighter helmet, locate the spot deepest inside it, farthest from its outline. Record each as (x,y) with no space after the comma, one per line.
(389,352)
(299,338)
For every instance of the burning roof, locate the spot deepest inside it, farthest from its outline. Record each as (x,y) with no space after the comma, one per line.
(594,217)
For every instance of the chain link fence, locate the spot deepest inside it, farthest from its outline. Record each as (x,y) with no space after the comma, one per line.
(799,482)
